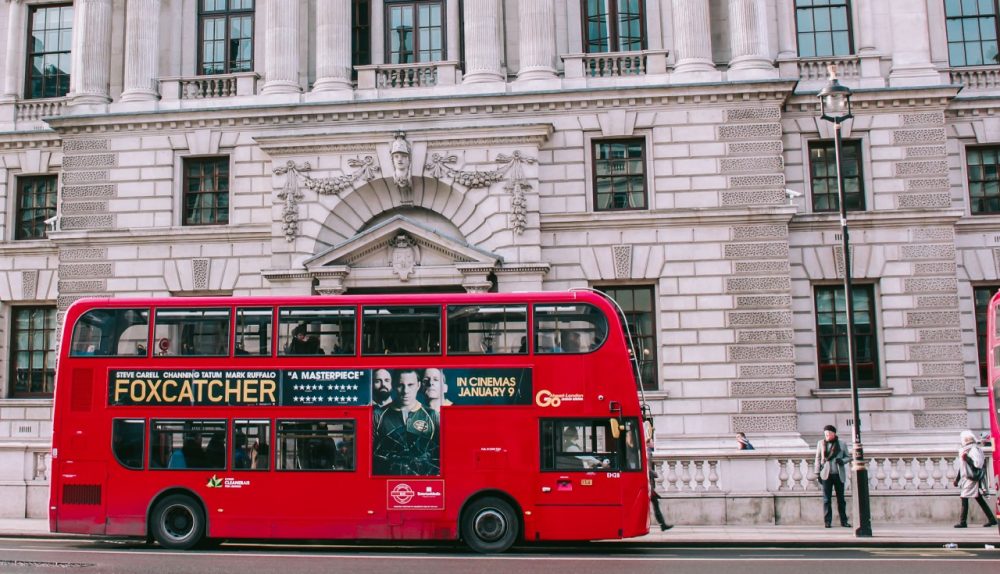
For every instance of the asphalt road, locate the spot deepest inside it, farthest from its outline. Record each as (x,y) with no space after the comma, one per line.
(83,556)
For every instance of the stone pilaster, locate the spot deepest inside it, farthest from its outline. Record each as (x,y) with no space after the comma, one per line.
(692,41)
(911,46)
(867,21)
(483,46)
(142,33)
(15,50)
(91,72)
(333,46)
(537,40)
(748,41)
(281,47)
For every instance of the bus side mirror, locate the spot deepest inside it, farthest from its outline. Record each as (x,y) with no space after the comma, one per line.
(616,428)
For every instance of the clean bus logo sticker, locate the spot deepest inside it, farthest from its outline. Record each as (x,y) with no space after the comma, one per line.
(415,494)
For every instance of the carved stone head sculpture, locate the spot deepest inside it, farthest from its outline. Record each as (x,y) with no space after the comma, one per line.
(400,152)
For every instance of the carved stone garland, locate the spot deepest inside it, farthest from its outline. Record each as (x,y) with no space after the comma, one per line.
(291,195)
(511,168)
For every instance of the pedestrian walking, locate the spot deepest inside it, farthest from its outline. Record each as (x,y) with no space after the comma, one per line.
(971,479)
(742,442)
(831,457)
(654,497)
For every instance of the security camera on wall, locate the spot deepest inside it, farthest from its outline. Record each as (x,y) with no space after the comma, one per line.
(792,194)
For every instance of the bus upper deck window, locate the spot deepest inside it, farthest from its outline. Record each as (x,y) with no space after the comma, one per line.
(316,331)
(577,328)
(401,330)
(487,329)
(192,332)
(111,333)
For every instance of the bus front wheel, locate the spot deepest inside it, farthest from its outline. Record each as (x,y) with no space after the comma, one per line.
(178,522)
(490,525)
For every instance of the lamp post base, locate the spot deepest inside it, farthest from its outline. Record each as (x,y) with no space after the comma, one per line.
(860,502)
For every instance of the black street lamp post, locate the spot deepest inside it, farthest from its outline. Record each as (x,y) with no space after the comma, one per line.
(835,102)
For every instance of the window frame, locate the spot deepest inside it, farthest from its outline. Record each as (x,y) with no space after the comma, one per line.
(361,33)
(29,54)
(980,313)
(811,10)
(387,30)
(227,14)
(613,35)
(49,373)
(837,365)
(221,159)
(594,159)
(964,43)
(969,182)
(350,428)
(650,383)
(553,456)
(52,194)
(857,143)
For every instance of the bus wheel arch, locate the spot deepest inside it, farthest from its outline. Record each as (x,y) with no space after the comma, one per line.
(490,522)
(177,519)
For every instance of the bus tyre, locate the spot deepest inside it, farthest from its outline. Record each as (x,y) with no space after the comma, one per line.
(178,522)
(490,525)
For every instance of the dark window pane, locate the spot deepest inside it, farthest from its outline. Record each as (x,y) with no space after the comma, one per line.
(32,365)
(831,336)
(983,174)
(206,195)
(619,183)
(226,36)
(48,48)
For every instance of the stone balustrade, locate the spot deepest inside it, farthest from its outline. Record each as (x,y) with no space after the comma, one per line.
(741,472)
(35,110)
(401,76)
(615,64)
(816,69)
(209,87)
(978,78)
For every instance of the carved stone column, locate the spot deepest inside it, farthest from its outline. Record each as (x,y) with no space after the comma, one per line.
(142,51)
(748,41)
(483,46)
(91,73)
(692,40)
(281,47)
(867,18)
(333,46)
(911,46)
(537,40)
(15,56)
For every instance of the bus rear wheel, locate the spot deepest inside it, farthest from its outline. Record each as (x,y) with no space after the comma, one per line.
(490,525)
(178,522)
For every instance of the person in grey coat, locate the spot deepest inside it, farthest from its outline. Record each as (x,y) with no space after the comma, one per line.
(971,460)
(831,458)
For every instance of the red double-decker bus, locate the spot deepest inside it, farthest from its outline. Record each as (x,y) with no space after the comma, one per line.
(490,418)
(993,378)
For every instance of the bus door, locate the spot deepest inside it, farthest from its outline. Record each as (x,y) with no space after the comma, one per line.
(580,463)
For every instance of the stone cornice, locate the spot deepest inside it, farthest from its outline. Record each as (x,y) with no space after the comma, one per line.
(874,100)
(875,219)
(39,247)
(447,105)
(668,218)
(357,139)
(29,140)
(978,223)
(175,235)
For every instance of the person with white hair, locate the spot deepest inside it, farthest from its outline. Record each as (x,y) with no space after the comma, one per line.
(971,466)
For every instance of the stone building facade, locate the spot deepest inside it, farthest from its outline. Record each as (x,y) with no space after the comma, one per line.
(526,144)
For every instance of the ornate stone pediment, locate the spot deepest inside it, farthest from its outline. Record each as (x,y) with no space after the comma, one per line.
(408,252)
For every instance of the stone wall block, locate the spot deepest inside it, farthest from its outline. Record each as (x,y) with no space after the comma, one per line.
(760,353)
(917,168)
(759,318)
(938,251)
(740,181)
(752,232)
(83,254)
(72,192)
(939,335)
(930,284)
(91,286)
(918,137)
(85,270)
(945,403)
(90,161)
(764,336)
(751,164)
(926,151)
(942,370)
(768,406)
(927,234)
(756,197)
(938,386)
(936,352)
(767,372)
(755,114)
(937,301)
(764,423)
(762,148)
(776,388)
(757,284)
(927,184)
(923,201)
(935,268)
(755,267)
(771,250)
(940,420)
(762,301)
(932,318)
(81,144)
(87,222)
(927,118)
(751,132)
(84,207)
(74,177)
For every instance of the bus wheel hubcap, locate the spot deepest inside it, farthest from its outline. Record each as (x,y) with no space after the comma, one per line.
(490,525)
(178,522)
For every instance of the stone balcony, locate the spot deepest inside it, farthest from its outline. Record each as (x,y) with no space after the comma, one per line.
(613,68)
(188,91)
(978,78)
(380,79)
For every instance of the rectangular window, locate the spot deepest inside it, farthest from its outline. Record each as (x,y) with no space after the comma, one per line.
(206,191)
(982,296)
(569,328)
(831,337)
(586,445)
(315,445)
(984,182)
(317,330)
(250,444)
(637,302)
(482,329)
(192,332)
(402,330)
(613,26)
(414,31)
(823,175)
(619,174)
(33,351)
(187,444)
(111,333)
(253,332)
(361,33)
(972,32)
(824,28)
(36,202)
(127,436)
(226,36)
(51,38)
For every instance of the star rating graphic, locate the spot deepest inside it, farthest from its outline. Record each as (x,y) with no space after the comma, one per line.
(318,387)
(310,399)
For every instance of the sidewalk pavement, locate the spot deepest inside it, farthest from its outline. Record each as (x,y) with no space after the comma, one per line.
(757,536)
